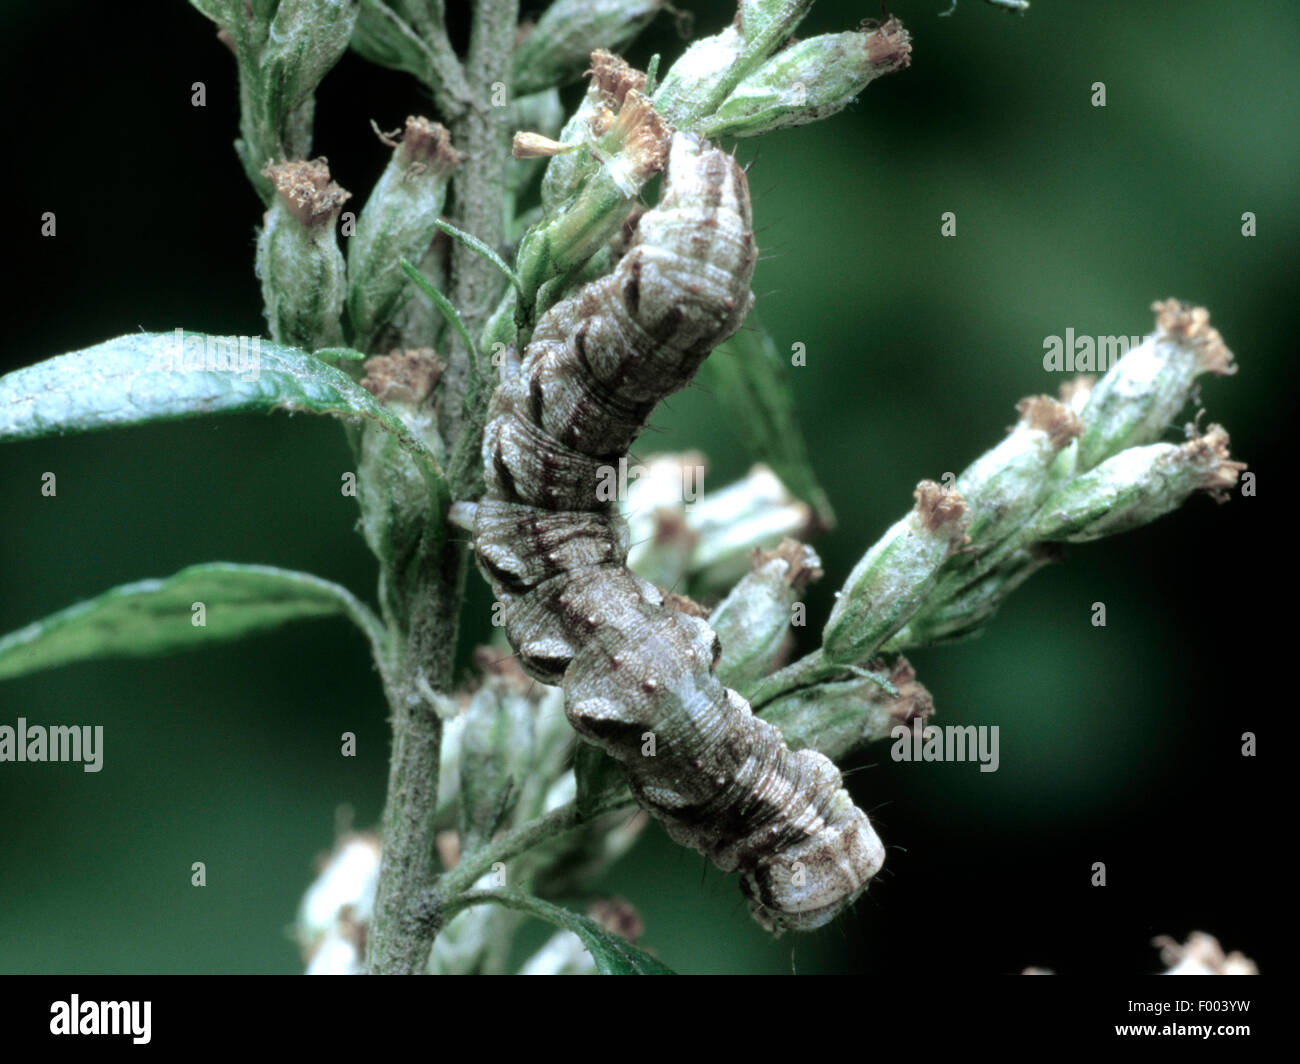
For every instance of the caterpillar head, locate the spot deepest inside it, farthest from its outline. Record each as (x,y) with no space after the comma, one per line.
(806,885)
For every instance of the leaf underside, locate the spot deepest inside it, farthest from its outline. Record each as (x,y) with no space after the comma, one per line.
(143,377)
(154,617)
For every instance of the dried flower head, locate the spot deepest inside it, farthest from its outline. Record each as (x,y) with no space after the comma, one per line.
(306,189)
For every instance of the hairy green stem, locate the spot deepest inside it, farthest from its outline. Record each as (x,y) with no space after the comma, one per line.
(450,89)
(401,933)
(398,943)
(441,902)
(508,899)
(523,838)
(482,132)
(400,938)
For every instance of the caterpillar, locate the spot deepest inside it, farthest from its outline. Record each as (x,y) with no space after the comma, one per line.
(721,780)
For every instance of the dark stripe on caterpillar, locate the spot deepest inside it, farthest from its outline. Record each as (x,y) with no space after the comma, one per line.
(721,780)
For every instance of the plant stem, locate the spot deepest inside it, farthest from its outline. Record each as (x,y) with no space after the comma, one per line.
(481,131)
(401,933)
(509,899)
(511,844)
(451,92)
(398,943)
(400,937)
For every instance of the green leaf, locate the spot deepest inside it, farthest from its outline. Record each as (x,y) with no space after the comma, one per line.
(746,373)
(344,354)
(154,617)
(599,778)
(613,954)
(557,48)
(219,11)
(651,72)
(383,37)
(145,377)
(444,307)
(477,246)
(495,757)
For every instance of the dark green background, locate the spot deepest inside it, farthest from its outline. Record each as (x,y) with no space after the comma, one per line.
(1118,744)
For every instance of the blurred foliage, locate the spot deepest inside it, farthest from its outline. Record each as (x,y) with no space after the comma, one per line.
(1118,744)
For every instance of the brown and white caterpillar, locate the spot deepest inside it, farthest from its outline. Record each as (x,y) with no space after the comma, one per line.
(721,780)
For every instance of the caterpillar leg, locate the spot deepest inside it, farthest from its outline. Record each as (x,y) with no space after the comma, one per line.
(507,363)
(463,515)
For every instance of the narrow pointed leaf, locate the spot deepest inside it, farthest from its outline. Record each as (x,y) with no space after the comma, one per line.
(745,374)
(444,306)
(478,247)
(146,377)
(153,617)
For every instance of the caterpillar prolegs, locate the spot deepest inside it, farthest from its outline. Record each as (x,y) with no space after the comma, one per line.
(721,780)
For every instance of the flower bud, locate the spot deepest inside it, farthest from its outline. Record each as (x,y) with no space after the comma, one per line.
(710,541)
(1144,391)
(453,730)
(552,53)
(809,80)
(338,953)
(1135,487)
(538,119)
(1076,391)
(1006,484)
(837,717)
(771,19)
(754,512)
(298,260)
(633,150)
(1201,954)
(528,146)
(335,913)
(611,80)
(949,615)
(306,39)
(398,221)
(753,621)
(696,83)
(392,490)
(654,506)
(283,50)
(1074,395)
(495,759)
(550,748)
(895,576)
